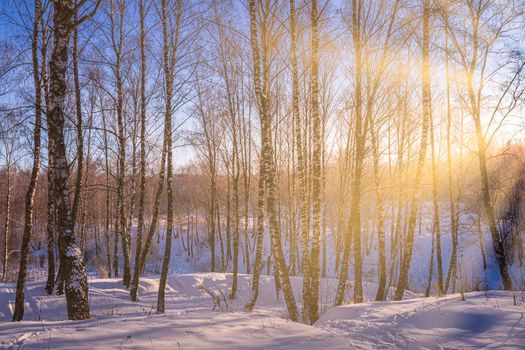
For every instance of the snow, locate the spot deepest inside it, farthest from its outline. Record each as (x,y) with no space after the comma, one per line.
(471,274)
(491,319)
(485,319)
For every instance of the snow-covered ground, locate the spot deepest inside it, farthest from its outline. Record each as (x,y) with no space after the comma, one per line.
(491,319)
(483,320)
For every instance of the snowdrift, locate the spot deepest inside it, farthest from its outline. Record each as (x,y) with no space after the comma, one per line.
(483,319)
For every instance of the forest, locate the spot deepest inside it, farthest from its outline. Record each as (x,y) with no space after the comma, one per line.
(300,164)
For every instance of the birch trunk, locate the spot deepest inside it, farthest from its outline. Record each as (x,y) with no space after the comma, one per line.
(142,191)
(316,167)
(402,282)
(18,312)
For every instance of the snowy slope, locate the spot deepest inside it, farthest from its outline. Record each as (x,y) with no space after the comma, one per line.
(483,320)
(188,323)
(471,274)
